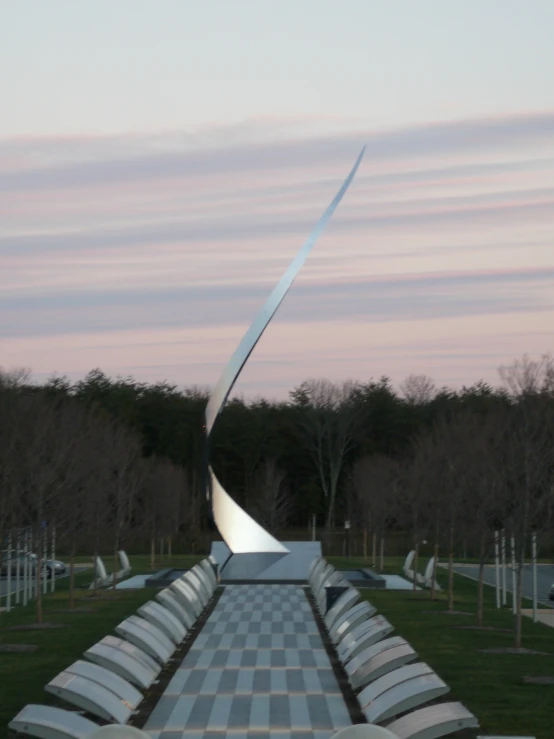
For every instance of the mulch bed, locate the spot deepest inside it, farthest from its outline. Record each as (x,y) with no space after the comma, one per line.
(35,627)
(485,628)
(514,650)
(453,613)
(74,610)
(11,648)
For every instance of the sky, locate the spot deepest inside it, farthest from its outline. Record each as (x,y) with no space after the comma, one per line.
(162,162)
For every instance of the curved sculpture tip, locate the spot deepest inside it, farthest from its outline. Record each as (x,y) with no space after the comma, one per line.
(265,314)
(239,531)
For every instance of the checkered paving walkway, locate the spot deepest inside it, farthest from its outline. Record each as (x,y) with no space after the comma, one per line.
(257,670)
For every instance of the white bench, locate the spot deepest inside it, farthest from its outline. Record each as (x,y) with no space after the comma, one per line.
(47,722)
(146,636)
(90,696)
(433,721)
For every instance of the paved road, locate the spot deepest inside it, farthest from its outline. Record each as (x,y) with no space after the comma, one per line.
(4,581)
(545,579)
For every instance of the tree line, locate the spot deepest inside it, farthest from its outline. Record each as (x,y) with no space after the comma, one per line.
(114,460)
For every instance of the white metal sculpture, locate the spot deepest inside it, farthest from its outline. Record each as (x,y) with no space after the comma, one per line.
(240,532)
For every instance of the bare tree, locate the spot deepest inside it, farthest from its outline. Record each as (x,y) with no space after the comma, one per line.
(161,505)
(418,389)
(481,442)
(528,468)
(273,504)
(329,423)
(527,376)
(413,502)
(374,482)
(125,454)
(83,499)
(428,483)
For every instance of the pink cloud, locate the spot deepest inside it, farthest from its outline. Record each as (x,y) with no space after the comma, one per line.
(111,246)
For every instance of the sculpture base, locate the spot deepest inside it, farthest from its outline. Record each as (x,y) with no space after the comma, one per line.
(267,567)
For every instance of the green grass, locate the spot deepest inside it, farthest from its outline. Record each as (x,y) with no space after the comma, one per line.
(23,675)
(489,685)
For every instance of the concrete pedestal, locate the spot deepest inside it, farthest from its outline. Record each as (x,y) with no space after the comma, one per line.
(262,567)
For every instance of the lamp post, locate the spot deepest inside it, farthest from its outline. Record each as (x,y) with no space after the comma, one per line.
(347,538)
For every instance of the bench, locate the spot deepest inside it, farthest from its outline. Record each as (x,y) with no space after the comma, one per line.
(108,683)
(396,692)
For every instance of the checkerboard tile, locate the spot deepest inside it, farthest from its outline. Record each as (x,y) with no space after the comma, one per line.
(257,711)
(257,670)
(249,680)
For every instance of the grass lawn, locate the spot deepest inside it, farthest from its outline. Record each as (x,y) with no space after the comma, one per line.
(23,675)
(489,685)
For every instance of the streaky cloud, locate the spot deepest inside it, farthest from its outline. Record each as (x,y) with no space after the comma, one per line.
(161,157)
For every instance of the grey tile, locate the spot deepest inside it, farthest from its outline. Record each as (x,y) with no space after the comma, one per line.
(200,713)
(307,658)
(263,658)
(299,713)
(278,683)
(239,717)
(279,713)
(328,681)
(194,679)
(161,713)
(338,711)
(234,658)
(277,658)
(170,734)
(261,682)
(211,683)
(296,682)
(321,658)
(181,712)
(259,712)
(219,658)
(290,641)
(221,710)
(320,717)
(245,681)
(228,682)
(177,683)
(249,658)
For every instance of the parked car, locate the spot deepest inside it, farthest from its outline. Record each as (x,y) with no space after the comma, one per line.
(52,566)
